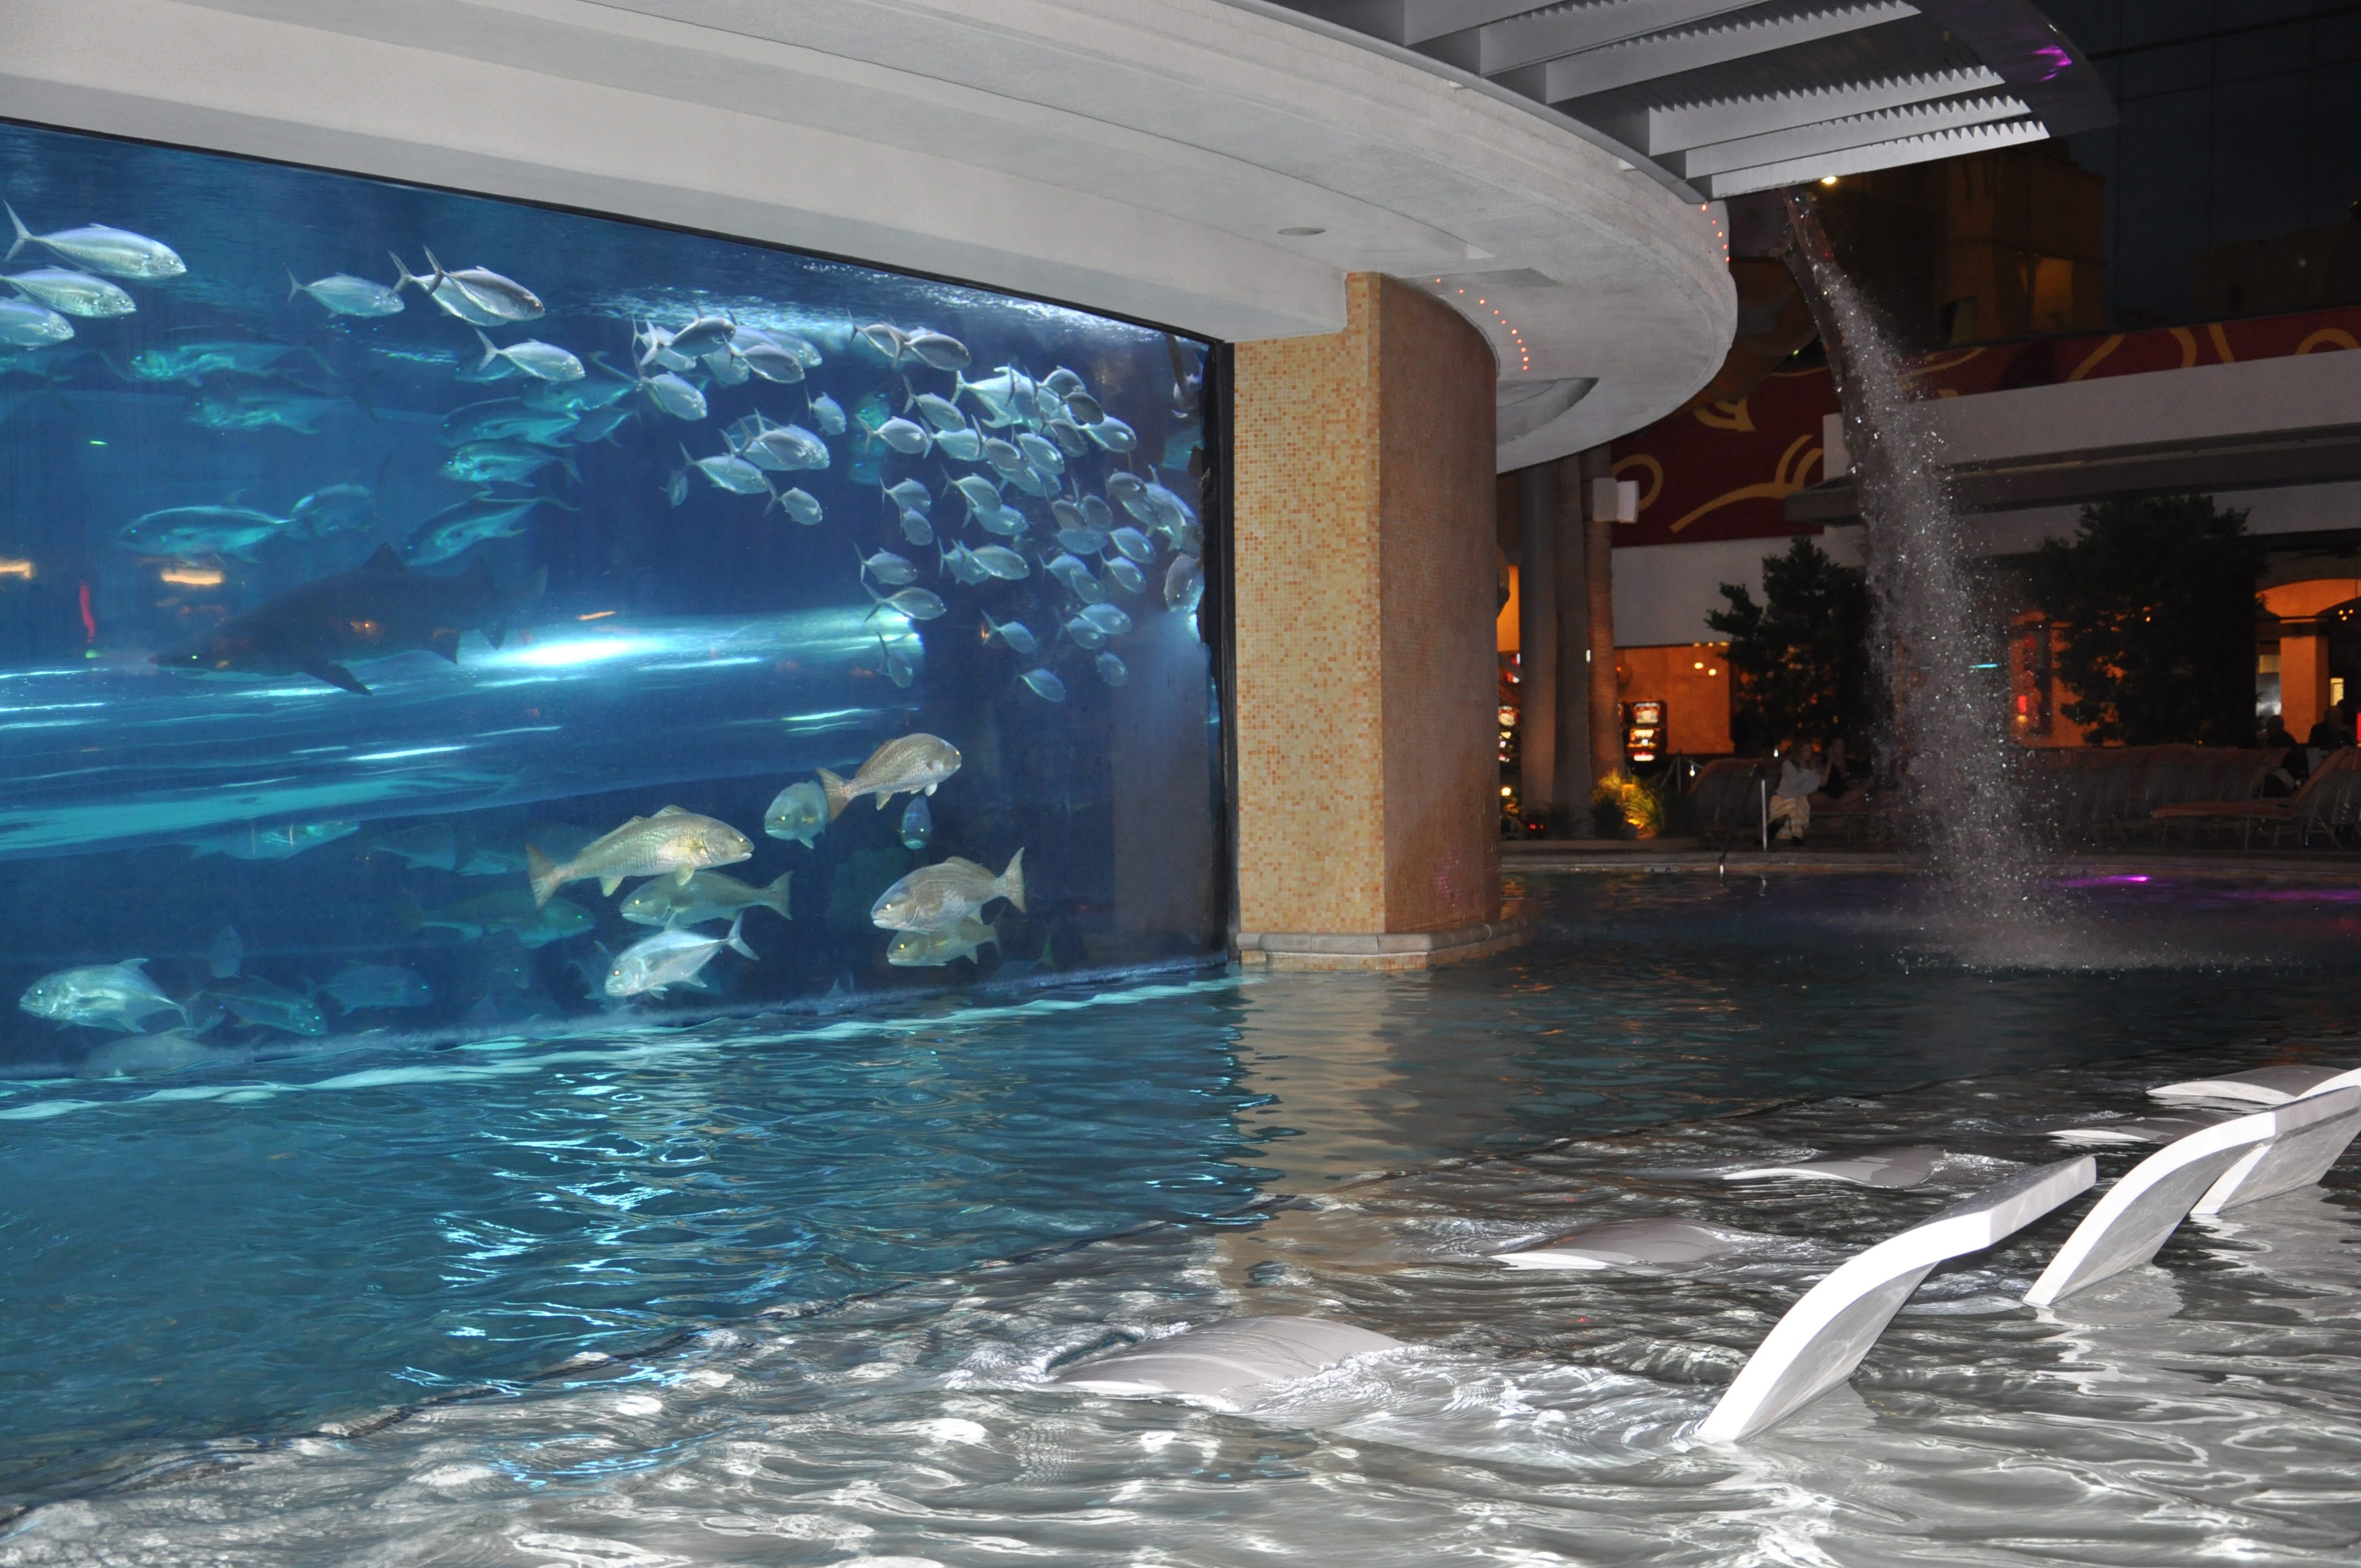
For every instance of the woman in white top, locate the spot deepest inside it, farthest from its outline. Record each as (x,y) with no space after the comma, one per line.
(1801,772)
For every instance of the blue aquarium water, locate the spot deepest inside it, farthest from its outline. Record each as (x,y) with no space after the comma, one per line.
(360,542)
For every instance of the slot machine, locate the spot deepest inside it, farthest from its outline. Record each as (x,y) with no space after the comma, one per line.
(1643,731)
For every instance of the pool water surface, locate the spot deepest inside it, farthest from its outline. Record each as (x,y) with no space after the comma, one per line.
(792,1293)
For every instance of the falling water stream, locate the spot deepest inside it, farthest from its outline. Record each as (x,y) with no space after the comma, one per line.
(1930,628)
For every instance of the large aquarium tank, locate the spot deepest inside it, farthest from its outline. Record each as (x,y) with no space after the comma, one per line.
(426,616)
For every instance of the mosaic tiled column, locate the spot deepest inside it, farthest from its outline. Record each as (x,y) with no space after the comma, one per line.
(1366,684)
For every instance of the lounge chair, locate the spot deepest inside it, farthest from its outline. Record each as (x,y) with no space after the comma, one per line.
(2329,804)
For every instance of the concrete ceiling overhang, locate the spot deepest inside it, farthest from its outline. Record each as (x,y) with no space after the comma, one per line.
(1216,166)
(1723,97)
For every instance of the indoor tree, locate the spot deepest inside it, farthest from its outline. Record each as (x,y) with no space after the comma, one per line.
(1801,657)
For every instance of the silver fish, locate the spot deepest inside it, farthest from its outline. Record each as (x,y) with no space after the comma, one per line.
(999,394)
(1184,584)
(905,437)
(1108,619)
(597,424)
(1088,414)
(74,293)
(1065,514)
(1097,514)
(932,950)
(961,562)
(697,339)
(118,253)
(194,361)
(980,494)
(1015,633)
(502,417)
(1134,543)
(1069,437)
(1044,455)
(1034,482)
(731,473)
(911,495)
(1045,685)
(259,1002)
(799,812)
(1125,488)
(25,324)
(918,824)
(1004,562)
(342,294)
(898,667)
(829,414)
(934,897)
(941,412)
(1081,540)
(889,568)
(670,957)
(767,360)
(463,525)
(1112,671)
(1077,578)
(105,996)
(510,912)
(673,842)
(1128,577)
(676,485)
(495,462)
(1084,634)
(543,361)
(277,842)
(1065,383)
(909,764)
(917,604)
(378,986)
(888,340)
(262,410)
(801,505)
(916,528)
(1002,455)
(675,396)
(203,530)
(1004,521)
(475,294)
(334,508)
(942,353)
(786,448)
(1112,434)
(965,445)
(707,895)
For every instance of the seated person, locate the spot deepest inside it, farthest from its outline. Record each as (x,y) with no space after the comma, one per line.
(1801,772)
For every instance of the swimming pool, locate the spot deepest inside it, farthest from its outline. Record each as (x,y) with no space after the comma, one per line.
(833,1263)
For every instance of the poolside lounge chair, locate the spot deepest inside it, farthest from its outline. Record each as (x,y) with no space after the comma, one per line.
(2262,1086)
(2268,1149)
(1222,1364)
(2328,803)
(1726,799)
(1824,1336)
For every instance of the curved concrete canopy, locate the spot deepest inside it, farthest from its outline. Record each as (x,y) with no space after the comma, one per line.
(1146,157)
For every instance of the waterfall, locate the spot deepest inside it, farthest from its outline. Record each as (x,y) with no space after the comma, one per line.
(1930,628)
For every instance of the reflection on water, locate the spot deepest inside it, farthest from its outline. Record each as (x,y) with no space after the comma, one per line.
(945,1207)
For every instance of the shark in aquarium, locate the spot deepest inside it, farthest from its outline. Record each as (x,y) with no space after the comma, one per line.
(377,609)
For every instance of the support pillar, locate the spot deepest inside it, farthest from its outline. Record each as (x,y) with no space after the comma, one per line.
(1362,516)
(1572,777)
(1605,699)
(2304,681)
(1538,622)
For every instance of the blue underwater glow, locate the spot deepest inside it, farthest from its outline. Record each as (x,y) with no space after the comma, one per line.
(398,531)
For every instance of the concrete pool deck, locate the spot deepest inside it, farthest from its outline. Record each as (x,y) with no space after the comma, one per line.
(1670,855)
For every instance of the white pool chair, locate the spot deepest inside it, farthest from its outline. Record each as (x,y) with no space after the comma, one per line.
(2313,1133)
(1872,1167)
(1824,1336)
(2125,1228)
(1634,1243)
(1222,1364)
(2142,1129)
(2262,1086)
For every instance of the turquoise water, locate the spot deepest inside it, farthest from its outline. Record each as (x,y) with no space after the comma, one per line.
(318,617)
(226,1254)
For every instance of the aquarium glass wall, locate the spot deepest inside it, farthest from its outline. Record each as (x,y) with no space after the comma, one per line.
(428,615)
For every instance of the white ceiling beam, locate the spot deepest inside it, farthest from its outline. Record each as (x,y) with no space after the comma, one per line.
(1671,54)
(1839,136)
(1545,35)
(1728,119)
(1877,154)
(1409,21)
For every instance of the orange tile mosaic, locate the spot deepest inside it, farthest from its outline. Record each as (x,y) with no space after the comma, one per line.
(1363,522)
